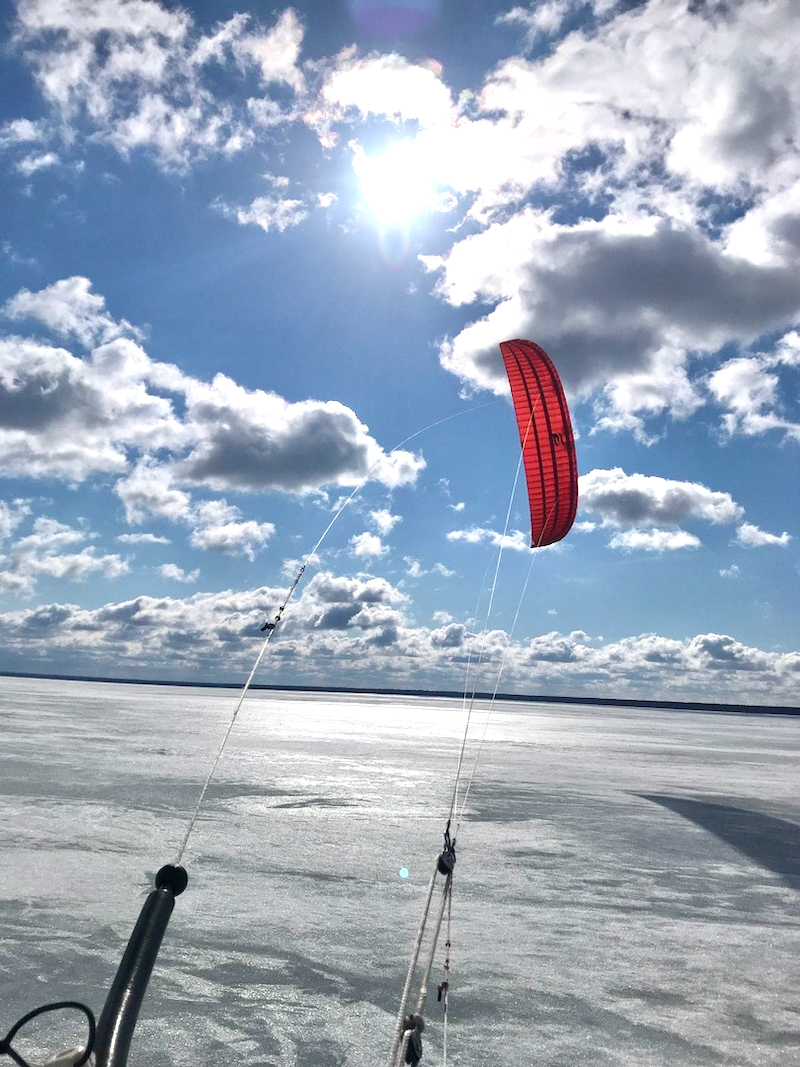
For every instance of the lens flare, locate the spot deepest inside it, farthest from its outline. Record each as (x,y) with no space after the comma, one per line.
(404,872)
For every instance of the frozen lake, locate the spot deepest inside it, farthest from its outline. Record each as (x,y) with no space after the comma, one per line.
(626,892)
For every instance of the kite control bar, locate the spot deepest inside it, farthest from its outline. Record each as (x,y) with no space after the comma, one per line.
(110,1039)
(121,1010)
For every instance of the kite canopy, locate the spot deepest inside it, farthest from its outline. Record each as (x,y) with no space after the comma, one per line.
(548,446)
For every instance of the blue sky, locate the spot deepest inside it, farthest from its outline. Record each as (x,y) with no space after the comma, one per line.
(246,254)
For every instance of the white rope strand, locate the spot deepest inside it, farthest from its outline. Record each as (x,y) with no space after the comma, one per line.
(500,671)
(412,966)
(454,801)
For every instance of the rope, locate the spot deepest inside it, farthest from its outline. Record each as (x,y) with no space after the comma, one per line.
(270,627)
(490,605)
(500,671)
(444,987)
(412,966)
(401,1036)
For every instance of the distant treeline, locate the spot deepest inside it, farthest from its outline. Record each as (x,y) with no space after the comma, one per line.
(605,702)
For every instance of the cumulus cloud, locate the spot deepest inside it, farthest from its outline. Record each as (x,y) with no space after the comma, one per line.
(68,416)
(653,540)
(338,603)
(414,569)
(21,132)
(545,18)
(47,551)
(177,574)
(142,539)
(356,631)
(269,213)
(634,276)
(386,85)
(70,310)
(752,537)
(619,301)
(621,499)
(384,521)
(137,75)
(35,162)
(254,440)
(367,545)
(12,514)
(645,504)
(452,635)
(148,490)
(749,387)
(516,540)
(217,527)
(276,52)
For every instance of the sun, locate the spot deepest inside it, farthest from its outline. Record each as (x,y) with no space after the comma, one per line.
(397,185)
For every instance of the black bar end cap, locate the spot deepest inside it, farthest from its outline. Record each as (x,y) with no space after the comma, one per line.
(172,876)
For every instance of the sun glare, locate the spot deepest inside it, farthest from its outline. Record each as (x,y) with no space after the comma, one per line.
(396,184)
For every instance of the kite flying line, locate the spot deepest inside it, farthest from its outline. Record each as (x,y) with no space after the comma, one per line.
(269,627)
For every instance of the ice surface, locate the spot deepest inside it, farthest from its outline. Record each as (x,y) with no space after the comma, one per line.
(626,890)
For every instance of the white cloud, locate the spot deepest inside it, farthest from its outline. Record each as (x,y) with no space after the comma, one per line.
(387,85)
(752,537)
(217,528)
(70,417)
(646,503)
(268,213)
(148,490)
(31,164)
(749,387)
(653,540)
(682,124)
(545,18)
(414,567)
(12,514)
(415,570)
(175,573)
(254,440)
(135,75)
(787,351)
(276,52)
(21,132)
(356,631)
(622,499)
(730,572)
(384,521)
(143,539)
(46,552)
(69,309)
(367,545)
(621,301)
(516,540)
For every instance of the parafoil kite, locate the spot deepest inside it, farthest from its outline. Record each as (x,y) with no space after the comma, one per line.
(548,446)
